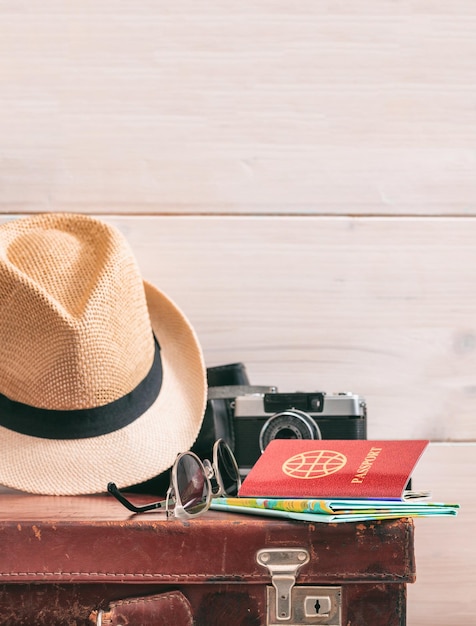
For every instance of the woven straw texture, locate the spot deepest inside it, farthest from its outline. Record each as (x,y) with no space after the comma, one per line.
(76,332)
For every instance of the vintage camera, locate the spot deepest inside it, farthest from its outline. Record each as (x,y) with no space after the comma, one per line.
(249,416)
(258,418)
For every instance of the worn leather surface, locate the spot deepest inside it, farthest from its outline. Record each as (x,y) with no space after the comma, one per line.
(212,604)
(162,609)
(63,558)
(94,539)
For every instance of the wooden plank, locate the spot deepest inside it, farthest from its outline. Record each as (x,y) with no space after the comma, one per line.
(444,547)
(378,306)
(381,307)
(340,108)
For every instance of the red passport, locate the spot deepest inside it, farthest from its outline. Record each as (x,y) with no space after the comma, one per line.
(309,468)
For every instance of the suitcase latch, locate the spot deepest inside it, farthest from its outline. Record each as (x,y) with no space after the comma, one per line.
(297,605)
(283,565)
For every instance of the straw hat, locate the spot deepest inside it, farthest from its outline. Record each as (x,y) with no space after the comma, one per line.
(87,395)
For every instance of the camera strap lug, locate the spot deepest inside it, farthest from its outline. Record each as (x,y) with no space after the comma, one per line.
(283,565)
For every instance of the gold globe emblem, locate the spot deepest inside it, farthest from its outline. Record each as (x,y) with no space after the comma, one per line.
(314,464)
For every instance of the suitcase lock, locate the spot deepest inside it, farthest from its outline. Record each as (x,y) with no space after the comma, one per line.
(295,605)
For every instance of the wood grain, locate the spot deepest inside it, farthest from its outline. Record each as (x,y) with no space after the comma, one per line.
(444,547)
(381,307)
(335,108)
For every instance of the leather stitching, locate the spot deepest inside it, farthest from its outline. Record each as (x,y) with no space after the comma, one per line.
(210,577)
(143,599)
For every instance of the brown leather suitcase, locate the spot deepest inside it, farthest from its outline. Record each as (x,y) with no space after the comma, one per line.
(85,560)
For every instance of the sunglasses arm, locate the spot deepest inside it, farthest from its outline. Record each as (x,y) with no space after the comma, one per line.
(113,490)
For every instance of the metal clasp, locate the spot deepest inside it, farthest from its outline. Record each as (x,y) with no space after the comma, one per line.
(283,565)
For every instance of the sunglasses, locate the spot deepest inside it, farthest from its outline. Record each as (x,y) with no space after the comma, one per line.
(193,484)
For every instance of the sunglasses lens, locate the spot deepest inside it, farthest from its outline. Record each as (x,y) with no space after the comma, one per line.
(228,469)
(192,485)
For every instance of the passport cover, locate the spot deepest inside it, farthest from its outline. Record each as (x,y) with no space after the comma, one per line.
(309,468)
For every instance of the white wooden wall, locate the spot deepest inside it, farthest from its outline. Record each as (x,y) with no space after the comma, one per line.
(301,178)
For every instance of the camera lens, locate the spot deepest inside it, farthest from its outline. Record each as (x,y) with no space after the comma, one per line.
(291,424)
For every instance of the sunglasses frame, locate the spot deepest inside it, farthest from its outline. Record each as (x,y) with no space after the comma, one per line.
(174,507)
(173,494)
(215,469)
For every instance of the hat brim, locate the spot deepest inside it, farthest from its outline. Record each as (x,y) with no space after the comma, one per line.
(136,453)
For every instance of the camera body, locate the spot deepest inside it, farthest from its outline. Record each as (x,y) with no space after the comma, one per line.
(259,415)
(260,418)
